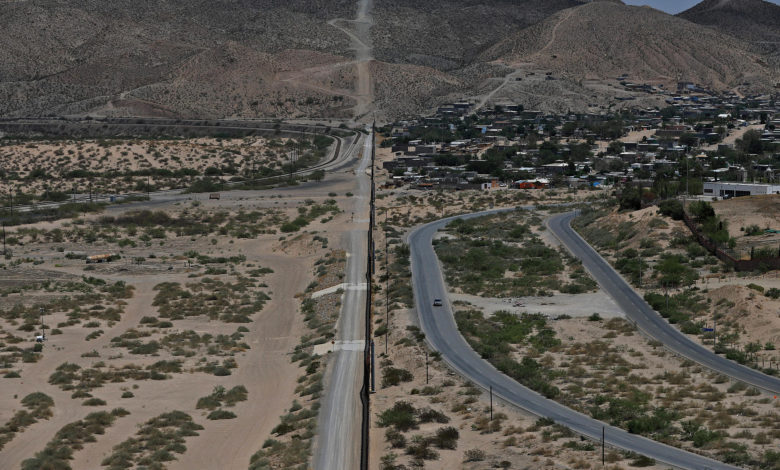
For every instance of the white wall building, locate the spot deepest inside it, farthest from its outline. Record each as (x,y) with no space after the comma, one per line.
(721,189)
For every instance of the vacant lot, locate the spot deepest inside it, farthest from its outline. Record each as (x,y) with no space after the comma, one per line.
(187,331)
(56,170)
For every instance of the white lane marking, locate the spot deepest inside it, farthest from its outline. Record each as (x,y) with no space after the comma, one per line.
(333,289)
(357,345)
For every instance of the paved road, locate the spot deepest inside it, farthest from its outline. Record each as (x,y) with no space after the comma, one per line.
(645,318)
(443,335)
(338,438)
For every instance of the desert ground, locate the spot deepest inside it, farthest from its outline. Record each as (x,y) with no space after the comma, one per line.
(59,168)
(200,313)
(737,424)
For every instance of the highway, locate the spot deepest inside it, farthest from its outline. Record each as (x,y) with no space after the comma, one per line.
(442,335)
(338,438)
(644,317)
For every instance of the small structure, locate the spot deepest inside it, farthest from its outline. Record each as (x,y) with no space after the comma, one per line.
(102,258)
(214,196)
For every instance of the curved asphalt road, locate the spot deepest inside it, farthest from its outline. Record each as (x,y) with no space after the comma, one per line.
(442,334)
(647,319)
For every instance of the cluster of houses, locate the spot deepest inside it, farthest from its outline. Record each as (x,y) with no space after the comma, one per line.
(540,150)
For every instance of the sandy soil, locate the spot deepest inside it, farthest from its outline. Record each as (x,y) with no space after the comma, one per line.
(742,212)
(57,158)
(264,369)
(574,305)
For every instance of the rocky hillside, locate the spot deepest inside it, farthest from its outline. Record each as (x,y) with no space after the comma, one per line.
(600,40)
(450,34)
(297,58)
(754,21)
(182,57)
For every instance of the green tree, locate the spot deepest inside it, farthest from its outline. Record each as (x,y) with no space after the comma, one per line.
(615,147)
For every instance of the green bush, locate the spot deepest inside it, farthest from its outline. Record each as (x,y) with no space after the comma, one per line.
(672,208)
(446,438)
(395,438)
(393,376)
(428,415)
(221,414)
(94,402)
(402,416)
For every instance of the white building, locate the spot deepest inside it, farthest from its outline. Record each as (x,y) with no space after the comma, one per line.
(726,190)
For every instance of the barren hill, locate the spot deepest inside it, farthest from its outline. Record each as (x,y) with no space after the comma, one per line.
(311,58)
(450,34)
(603,39)
(754,21)
(181,57)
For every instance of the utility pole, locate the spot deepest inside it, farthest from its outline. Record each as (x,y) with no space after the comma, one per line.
(148,186)
(491,403)
(603,435)
(4,239)
(43,326)
(715,331)
(426,367)
(387,295)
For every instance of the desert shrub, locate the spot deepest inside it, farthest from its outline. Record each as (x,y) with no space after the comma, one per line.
(394,376)
(402,416)
(429,415)
(474,455)
(395,438)
(446,438)
(641,461)
(221,414)
(37,400)
(94,402)
(420,449)
(672,208)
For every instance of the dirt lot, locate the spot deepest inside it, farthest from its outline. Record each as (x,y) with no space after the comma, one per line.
(741,213)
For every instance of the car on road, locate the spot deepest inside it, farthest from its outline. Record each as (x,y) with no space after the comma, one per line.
(437,303)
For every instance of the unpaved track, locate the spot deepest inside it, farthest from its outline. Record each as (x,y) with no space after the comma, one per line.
(338,435)
(358,31)
(266,371)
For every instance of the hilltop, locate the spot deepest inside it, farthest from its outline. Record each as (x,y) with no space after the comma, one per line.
(754,21)
(450,34)
(604,39)
(183,57)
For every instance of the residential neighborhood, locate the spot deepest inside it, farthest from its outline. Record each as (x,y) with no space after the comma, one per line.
(699,138)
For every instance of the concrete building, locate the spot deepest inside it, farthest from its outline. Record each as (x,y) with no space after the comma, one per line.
(721,189)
